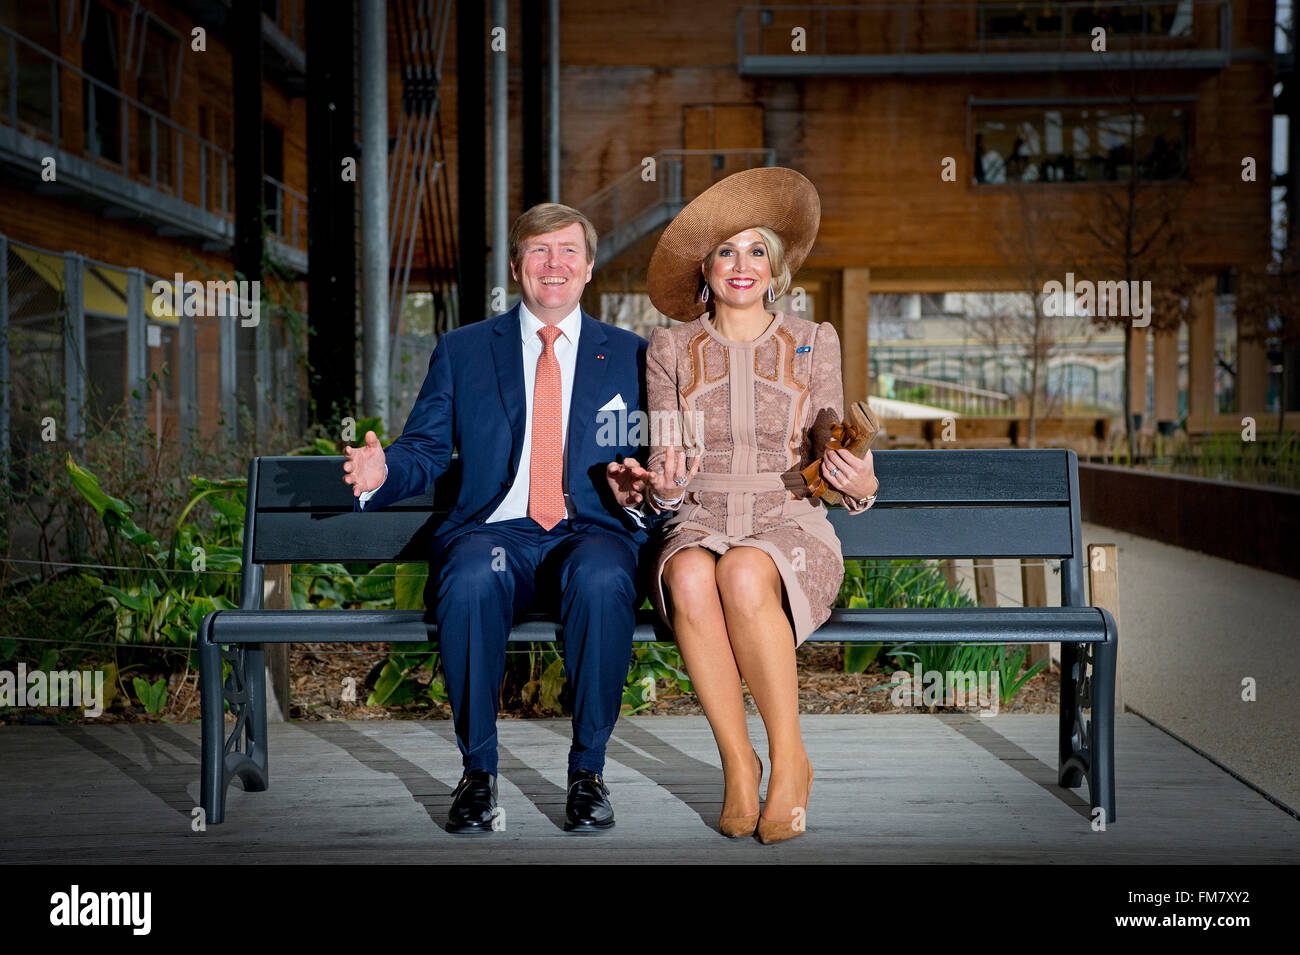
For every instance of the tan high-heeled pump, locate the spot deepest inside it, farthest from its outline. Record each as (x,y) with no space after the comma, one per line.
(770,832)
(734,827)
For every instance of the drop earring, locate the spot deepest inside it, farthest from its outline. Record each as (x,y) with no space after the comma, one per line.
(704,295)
(771,293)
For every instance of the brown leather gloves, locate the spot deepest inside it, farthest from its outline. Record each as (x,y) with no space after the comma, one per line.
(854,435)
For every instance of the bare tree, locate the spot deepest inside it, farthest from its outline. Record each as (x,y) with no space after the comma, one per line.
(1139,233)
(1029,243)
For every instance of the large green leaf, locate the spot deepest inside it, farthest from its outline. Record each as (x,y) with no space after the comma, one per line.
(88,485)
(408,588)
(390,678)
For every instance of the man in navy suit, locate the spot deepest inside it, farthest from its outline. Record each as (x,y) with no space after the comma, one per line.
(546,517)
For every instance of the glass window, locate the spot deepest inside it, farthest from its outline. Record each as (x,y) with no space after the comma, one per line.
(105,367)
(154,90)
(1081,143)
(100,60)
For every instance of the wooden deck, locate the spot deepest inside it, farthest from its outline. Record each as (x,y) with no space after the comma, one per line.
(896,789)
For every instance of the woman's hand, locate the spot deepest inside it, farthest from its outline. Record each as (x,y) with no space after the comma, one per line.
(666,486)
(850,474)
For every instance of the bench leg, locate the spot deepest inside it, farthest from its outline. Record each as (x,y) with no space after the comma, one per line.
(243,752)
(1102,782)
(1087,721)
(212,787)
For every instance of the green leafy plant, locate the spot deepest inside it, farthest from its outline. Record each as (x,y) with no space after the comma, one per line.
(652,663)
(153,696)
(1010,675)
(160,592)
(891,583)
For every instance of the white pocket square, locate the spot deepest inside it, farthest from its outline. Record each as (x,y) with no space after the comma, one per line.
(614,404)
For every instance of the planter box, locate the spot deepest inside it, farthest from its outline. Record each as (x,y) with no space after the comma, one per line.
(1246,523)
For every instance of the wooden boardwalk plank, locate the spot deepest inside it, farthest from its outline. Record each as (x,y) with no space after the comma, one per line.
(909,789)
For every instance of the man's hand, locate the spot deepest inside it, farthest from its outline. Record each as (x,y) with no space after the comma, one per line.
(628,481)
(364,469)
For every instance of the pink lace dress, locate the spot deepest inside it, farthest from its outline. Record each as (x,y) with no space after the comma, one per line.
(763,410)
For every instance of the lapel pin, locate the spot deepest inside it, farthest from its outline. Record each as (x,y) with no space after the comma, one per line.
(802,348)
(600,356)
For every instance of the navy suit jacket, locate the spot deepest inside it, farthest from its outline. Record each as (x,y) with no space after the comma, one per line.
(473,399)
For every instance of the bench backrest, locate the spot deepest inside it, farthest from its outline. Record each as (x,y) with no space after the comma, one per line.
(932,504)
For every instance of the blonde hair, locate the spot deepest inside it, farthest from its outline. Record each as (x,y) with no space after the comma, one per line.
(547,217)
(777,265)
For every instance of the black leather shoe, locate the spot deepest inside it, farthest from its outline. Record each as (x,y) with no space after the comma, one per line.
(587,808)
(473,802)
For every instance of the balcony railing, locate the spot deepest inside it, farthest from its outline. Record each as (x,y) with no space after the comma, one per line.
(121,136)
(634,205)
(286,216)
(968,37)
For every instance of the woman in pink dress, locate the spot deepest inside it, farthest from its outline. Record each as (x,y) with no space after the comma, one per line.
(749,565)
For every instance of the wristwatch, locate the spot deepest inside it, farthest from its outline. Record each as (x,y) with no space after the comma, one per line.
(865,501)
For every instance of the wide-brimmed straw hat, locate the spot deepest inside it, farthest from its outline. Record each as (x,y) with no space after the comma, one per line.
(780,199)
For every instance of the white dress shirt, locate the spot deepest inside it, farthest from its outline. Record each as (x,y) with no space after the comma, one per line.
(515,504)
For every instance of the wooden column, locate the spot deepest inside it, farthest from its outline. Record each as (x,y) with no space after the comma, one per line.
(1252,377)
(1137,382)
(1033,593)
(1201,403)
(277,595)
(1166,377)
(1103,587)
(986,590)
(855,316)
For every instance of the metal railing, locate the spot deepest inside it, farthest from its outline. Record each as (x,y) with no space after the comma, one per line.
(972,29)
(636,201)
(287,214)
(124,136)
(949,394)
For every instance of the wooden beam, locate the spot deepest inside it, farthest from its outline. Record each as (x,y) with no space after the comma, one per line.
(1201,403)
(986,590)
(1103,587)
(1252,376)
(949,568)
(277,594)
(1137,388)
(855,311)
(1166,376)
(1033,590)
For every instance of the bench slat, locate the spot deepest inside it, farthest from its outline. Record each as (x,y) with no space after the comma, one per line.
(911,625)
(953,532)
(907,478)
(304,537)
(284,537)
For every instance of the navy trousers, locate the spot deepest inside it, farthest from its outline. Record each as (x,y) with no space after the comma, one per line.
(484,577)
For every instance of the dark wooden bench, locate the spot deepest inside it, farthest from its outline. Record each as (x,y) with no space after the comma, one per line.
(932,504)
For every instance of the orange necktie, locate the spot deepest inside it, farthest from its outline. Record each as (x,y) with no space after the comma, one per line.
(545,494)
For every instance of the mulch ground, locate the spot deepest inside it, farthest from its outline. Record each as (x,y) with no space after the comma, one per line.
(319,673)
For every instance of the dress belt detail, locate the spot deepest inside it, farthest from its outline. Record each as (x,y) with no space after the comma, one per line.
(791,481)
